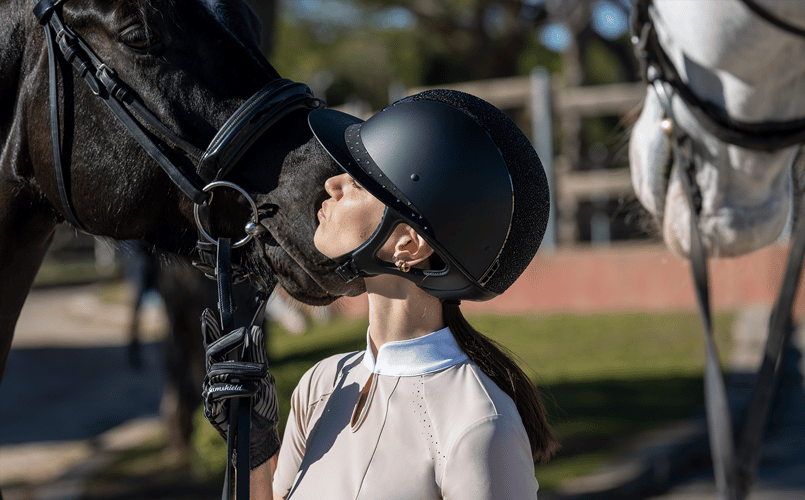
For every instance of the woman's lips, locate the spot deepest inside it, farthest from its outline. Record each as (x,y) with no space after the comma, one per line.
(322,215)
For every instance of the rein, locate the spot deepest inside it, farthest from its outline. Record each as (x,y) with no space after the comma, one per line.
(735,469)
(196,176)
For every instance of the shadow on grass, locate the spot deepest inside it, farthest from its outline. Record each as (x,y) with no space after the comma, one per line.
(596,419)
(618,408)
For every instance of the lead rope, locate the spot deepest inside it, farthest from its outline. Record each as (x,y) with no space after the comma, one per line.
(735,473)
(719,421)
(240,409)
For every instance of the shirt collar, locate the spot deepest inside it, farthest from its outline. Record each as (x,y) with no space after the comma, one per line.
(408,358)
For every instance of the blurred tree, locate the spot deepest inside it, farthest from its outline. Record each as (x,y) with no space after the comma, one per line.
(358,51)
(358,48)
(469,39)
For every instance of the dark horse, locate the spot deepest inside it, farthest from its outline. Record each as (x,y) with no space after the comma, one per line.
(192,63)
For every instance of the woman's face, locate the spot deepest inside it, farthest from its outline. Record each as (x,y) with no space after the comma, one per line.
(347,218)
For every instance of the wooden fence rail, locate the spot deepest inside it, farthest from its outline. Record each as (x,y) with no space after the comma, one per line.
(514,92)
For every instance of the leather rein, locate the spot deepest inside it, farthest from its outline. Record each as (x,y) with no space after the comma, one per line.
(735,469)
(197,174)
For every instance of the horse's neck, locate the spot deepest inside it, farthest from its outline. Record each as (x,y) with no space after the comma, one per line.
(734,59)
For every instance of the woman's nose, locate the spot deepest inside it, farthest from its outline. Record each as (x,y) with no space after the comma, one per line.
(334,185)
(329,186)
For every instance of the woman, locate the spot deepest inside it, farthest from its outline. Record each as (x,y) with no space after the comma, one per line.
(443,199)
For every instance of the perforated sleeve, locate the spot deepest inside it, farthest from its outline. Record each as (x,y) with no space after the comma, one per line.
(490,460)
(294,440)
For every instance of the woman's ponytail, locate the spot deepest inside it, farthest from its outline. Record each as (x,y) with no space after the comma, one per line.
(499,367)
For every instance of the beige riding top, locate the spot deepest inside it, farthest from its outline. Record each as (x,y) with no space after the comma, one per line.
(431,426)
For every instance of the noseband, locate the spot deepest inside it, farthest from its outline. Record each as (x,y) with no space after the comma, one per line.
(735,469)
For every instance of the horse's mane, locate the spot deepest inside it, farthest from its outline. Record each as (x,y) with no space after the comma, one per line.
(218,10)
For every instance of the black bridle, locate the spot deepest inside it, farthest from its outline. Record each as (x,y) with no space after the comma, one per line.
(198,168)
(196,175)
(735,468)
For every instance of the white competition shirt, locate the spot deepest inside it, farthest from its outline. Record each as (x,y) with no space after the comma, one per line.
(432,426)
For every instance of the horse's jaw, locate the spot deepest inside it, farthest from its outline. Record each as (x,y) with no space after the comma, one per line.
(301,269)
(306,276)
(731,229)
(746,195)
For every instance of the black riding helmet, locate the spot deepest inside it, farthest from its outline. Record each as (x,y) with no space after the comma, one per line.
(459,172)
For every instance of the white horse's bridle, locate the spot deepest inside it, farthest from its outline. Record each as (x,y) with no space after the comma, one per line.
(659,71)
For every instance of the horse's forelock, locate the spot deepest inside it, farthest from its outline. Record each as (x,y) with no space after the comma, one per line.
(218,11)
(143,7)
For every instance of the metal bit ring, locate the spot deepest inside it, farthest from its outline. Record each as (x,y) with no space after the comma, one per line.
(254,220)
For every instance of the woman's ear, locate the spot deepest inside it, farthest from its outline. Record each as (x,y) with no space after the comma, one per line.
(409,246)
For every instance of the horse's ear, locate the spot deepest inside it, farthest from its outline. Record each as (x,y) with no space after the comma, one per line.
(253,22)
(241,20)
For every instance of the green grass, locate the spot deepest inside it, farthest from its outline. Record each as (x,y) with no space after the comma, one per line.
(608,377)
(62,273)
(604,377)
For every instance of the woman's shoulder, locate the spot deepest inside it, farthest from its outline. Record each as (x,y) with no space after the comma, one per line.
(322,377)
(469,412)
(480,400)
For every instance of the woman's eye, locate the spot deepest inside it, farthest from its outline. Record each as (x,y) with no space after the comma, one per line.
(139,37)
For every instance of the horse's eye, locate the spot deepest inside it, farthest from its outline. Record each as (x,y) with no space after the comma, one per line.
(140,37)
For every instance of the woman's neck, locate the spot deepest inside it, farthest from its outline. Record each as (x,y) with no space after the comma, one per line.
(399,310)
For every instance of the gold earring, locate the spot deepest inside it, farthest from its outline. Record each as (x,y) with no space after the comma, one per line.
(402,266)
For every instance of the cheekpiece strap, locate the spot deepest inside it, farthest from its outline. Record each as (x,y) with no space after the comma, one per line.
(43,9)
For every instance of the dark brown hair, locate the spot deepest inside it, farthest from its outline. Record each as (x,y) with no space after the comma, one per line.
(499,367)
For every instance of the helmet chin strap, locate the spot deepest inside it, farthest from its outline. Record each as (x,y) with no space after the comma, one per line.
(363,261)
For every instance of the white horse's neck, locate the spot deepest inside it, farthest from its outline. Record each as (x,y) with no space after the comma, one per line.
(735,59)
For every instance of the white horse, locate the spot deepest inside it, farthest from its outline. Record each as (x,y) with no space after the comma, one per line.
(717,158)
(750,72)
